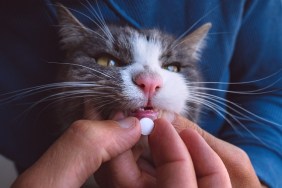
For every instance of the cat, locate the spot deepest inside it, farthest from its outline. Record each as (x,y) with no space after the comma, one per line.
(122,70)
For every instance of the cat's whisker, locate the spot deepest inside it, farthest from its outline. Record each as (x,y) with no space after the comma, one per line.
(222,111)
(263,90)
(102,27)
(245,82)
(13,96)
(83,35)
(99,16)
(78,65)
(220,33)
(102,103)
(241,111)
(24,93)
(54,97)
(65,95)
(217,102)
(195,23)
(251,92)
(31,89)
(100,106)
(217,109)
(69,95)
(65,98)
(179,41)
(94,112)
(88,17)
(189,109)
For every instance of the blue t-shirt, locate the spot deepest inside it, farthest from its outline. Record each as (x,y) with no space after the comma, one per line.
(242,65)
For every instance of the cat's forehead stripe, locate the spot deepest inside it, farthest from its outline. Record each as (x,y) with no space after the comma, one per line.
(146,52)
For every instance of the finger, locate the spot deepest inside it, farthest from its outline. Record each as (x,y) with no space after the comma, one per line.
(123,171)
(172,160)
(237,162)
(126,170)
(209,168)
(107,139)
(81,150)
(180,123)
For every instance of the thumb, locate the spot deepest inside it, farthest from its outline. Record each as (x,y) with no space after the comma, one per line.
(100,141)
(107,139)
(80,151)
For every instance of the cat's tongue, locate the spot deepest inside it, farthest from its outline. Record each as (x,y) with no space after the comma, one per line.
(148,113)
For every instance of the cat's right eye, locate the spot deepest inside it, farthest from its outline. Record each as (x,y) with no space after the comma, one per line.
(106,62)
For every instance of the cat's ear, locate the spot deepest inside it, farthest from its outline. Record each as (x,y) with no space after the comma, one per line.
(195,42)
(72,31)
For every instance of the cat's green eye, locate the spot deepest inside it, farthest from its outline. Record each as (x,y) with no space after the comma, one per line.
(172,68)
(106,62)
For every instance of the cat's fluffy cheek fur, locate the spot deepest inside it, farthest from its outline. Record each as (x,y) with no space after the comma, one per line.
(174,93)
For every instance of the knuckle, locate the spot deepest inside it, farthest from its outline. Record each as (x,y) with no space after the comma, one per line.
(80,126)
(82,129)
(203,133)
(242,172)
(241,157)
(241,162)
(86,134)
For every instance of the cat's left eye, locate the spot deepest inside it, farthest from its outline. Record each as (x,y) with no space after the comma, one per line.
(106,62)
(172,68)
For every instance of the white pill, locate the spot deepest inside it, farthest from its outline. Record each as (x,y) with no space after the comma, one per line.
(147,126)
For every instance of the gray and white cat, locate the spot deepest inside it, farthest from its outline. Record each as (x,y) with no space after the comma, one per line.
(122,70)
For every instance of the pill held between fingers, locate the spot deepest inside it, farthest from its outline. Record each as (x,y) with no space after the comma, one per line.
(147,126)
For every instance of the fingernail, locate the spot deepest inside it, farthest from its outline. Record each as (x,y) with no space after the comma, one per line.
(126,123)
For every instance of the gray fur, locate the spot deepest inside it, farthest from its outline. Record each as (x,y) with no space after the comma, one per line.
(84,45)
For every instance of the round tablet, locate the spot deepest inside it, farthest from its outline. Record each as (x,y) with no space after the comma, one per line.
(147,126)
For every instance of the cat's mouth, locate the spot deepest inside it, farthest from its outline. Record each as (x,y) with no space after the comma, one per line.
(147,111)
(142,112)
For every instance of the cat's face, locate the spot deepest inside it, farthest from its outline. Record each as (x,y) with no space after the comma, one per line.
(131,72)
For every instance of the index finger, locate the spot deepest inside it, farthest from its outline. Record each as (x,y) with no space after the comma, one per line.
(174,166)
(209,168)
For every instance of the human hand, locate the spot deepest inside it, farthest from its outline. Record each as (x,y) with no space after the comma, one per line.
(79,152)
(236,161)
(175,166)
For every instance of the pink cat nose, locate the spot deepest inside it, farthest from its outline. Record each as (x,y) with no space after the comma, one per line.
(149,83)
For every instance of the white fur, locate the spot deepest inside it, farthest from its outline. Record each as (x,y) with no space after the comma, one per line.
(146,53)
(173,94)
